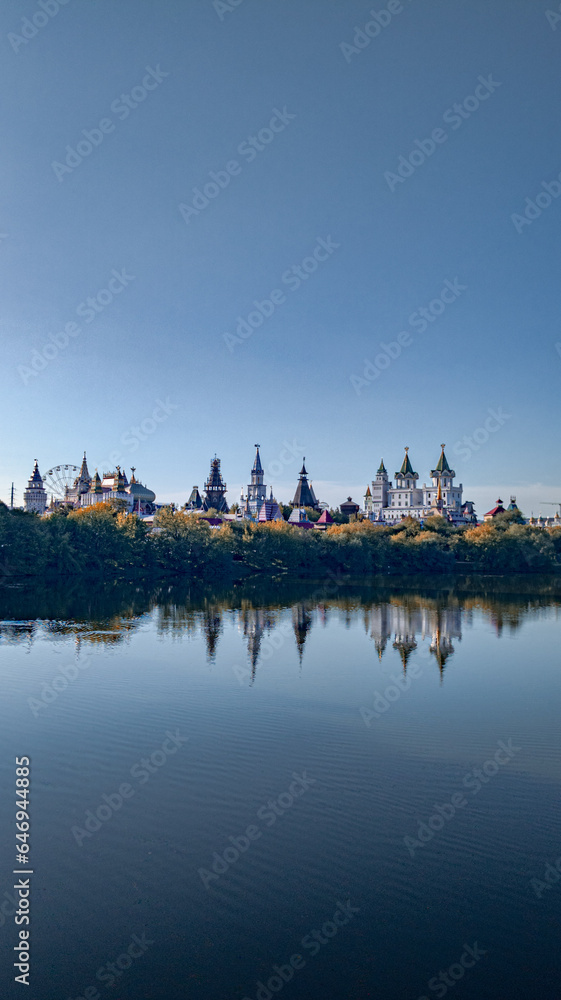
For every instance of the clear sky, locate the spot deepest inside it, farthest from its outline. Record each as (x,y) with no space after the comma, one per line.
(336,101)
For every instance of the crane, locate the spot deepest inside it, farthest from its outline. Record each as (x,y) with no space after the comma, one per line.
(553,503)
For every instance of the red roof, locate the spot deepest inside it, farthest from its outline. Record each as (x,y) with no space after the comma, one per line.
(496,510)
(325,518)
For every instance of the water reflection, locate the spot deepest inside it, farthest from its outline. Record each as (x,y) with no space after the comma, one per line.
(396,620)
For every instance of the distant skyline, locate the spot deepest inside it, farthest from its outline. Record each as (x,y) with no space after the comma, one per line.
(328,230)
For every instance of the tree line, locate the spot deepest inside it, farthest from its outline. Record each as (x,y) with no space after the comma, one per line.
(103,540)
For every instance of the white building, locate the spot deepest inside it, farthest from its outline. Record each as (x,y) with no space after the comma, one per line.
(389,503)
(35,496)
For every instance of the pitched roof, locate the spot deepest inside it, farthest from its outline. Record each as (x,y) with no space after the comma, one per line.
(325,518)
(382,466)
(406,467)
(368,493)
(499,509)
(304,495)
(442,464)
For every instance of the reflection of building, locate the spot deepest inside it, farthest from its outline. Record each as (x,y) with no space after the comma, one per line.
(35,496)
(389,503)
(212,629)
(254,623)
(407,624)
(301,623)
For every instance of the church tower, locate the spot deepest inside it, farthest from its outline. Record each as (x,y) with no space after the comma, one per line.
(215,489)
(256,491)
(443,479)
(35,496)
(380,488)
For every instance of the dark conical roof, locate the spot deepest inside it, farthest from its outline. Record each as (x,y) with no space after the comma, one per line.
(194,500)
(304,496)
(35,477)
(257,467)
(382,466)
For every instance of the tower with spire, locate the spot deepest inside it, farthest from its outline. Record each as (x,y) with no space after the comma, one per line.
(380,487)
(215,489)
(304,496)
(256,490)
(35,496)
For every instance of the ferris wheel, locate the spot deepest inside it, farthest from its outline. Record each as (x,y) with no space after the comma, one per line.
(59,478)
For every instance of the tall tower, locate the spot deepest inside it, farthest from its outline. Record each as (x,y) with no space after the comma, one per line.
(406,478)
(304,496)
(35,496)
(443,478)
(380,487)
(215,489)
(256,491)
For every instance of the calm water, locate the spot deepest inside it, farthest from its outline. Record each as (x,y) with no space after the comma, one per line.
(333,725)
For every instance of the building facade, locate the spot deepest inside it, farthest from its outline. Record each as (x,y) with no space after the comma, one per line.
(389,503)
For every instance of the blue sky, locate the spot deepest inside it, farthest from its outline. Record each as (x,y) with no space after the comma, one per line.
(339,107)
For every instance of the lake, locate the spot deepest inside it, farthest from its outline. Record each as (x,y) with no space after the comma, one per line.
(318,791)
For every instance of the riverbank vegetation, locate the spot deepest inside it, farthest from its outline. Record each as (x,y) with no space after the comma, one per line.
(102,541)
